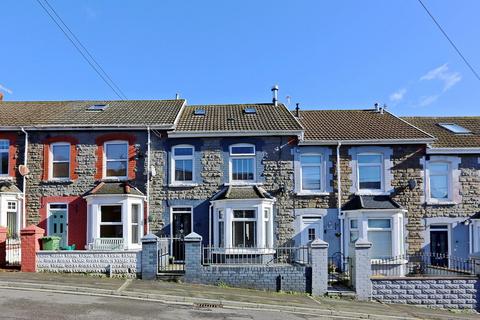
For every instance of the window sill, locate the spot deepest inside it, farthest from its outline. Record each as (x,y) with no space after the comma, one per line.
(372,193)
(441,203)
(6,178)
(240,183)
(319,193)
(388,261)
(114,179)
(182,185)
(58,181)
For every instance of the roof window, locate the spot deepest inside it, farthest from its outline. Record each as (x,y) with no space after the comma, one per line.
(199,112)
(455,128)
(250,110)
(98,107)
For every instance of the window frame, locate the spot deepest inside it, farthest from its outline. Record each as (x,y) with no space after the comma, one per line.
(383,229)
(173,158)
(255,229)
(449,181)
(16,232)
(382,173)
(101,223)
(252,156)
(138,224)
(52,161)
(106,160)
(7,151)
(322,173)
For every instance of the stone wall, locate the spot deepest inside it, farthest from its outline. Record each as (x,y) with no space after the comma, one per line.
(116,263)
(454,293)
(274,278)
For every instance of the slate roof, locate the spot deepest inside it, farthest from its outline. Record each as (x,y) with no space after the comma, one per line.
(350,125)
(8,187)
(381,202)
(446,138)
(475,216)
(112,188)
(237,192)
(232,118)
(161,113)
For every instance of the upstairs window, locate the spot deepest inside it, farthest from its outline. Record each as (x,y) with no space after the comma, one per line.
(116,159)
(183,163)
(60,157)
(370,171)
(242,163)
(311,166)
(4,146)
(439,180)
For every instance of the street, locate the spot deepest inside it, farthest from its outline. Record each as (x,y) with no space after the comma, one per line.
(18,304)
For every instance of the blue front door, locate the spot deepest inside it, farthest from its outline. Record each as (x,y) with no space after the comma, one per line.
(57,222)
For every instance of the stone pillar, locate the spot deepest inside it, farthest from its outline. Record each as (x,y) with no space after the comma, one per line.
(319,251)
(30,244)
(193,256)
(3,246)
(150,257)
(362,269)
(475,257)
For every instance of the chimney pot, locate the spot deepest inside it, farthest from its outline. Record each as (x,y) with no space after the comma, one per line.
(297,110)
(177,96)
(275,95)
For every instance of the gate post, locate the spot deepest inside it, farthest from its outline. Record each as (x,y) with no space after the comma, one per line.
(319,249)
(193,256)
(150,257)
(362,270)
(3,246)
(30,244)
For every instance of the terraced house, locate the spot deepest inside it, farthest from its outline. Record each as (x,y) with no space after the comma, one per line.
(249,177)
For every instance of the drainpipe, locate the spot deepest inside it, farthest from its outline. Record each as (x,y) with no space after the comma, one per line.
(25,158)
(339,197)
(148,178)
(210,217)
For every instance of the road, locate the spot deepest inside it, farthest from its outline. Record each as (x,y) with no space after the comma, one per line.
(17,304)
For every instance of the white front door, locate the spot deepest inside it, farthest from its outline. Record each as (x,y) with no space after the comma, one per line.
(311,229)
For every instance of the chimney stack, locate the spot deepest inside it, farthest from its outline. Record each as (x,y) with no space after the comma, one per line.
(177,96)
(1,96)
(377,109)
(275,95)
(297,110)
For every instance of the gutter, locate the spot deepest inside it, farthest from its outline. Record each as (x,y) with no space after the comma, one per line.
(89,127)
(224,133)
(370,142)
(453,150)
(24,180)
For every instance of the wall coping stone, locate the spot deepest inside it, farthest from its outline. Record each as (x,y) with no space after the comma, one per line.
(318,243)
(31,229)
(382,278)
(150,238)
(193,237)
(86,251)
(362,244)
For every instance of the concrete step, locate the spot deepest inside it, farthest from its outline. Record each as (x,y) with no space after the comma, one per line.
(170,276)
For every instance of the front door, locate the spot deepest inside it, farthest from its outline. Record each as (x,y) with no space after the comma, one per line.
(439,245)
(311,229)
(182,226)
(57,222)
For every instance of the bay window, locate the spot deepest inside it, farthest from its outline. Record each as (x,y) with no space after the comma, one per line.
(311,172)
(370,171)
(4,155)
(221,229)
(60,160)
(135,223)
(182,161)
(267,229)
(353,230)
(12,223)
(439,173)
(242,163)
(116,159)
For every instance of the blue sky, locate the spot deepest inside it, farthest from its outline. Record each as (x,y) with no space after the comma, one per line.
(323,54)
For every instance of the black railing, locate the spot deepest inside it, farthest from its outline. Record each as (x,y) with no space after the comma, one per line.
(339,269)
(171,255)
(13,252)
(423,265)
(266,256)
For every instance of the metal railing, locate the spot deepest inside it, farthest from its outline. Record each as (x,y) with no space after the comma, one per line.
(339,269)
(13,252)
(265,256)
(423,265)
(171,255)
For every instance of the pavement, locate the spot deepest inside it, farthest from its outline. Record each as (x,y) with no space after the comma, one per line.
(195,297)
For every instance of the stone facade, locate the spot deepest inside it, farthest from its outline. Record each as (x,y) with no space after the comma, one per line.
(114,263)
(457,293)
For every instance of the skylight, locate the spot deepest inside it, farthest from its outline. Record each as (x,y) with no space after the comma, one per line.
(455,128)
(199,112)
(250,110)
(98,107)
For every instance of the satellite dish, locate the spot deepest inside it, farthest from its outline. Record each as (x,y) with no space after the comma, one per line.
(23,170)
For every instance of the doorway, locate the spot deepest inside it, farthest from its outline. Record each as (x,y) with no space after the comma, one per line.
(311,229)
(439,245)
(182,219)
(57,222)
